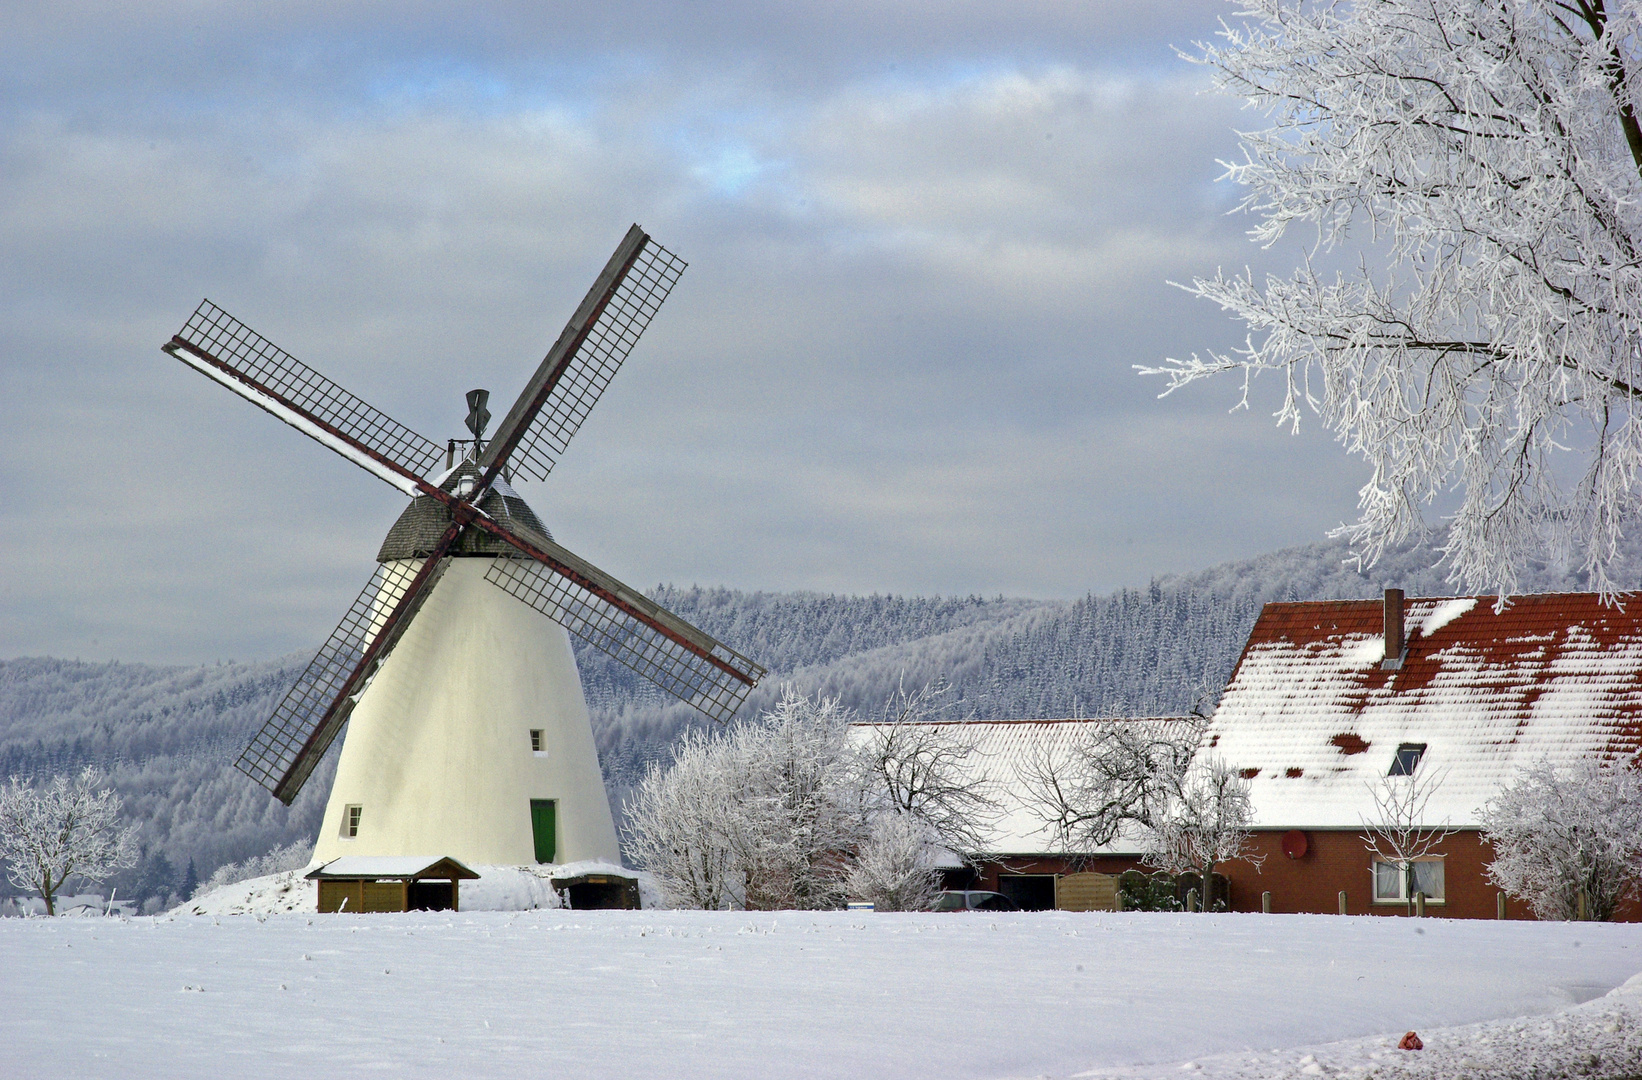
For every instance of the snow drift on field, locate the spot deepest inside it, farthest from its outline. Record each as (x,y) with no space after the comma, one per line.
(1600,1039)
(692,994)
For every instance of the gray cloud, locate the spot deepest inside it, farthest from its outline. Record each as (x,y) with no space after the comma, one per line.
(927,248)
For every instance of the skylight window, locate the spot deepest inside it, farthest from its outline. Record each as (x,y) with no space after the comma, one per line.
(1408,759)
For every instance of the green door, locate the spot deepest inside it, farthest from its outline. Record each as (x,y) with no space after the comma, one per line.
(544,824)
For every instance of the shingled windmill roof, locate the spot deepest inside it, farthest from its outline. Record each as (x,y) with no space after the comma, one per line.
(1315,719)
(426,519)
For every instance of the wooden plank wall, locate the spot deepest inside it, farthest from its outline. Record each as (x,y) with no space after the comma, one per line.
(1086,892)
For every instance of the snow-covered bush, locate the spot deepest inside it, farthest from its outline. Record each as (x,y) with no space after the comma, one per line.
(684,824)
(894,868)
(1559,834)
(68,828)
(802,803)
(292,856)
(762,815)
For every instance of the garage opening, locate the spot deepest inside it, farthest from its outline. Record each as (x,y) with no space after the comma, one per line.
(1031,892)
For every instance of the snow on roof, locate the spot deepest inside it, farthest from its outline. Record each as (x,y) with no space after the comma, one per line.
(1310,708)
(390,866)
(1002,749)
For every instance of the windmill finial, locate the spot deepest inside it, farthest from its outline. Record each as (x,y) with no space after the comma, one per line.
(478,415)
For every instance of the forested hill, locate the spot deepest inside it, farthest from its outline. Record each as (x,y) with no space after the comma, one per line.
(168,736)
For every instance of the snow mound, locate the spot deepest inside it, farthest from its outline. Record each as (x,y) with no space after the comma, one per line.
(270,895)
(1597,1040)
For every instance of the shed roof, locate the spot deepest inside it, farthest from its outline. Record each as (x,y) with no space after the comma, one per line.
(426,518)
(1000,751)
(397,867)
(1311,712)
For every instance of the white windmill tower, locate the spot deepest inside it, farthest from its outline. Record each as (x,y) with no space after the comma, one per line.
(469,734)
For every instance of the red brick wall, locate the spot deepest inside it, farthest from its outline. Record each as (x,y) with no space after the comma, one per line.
(1334,860)
(1340,860)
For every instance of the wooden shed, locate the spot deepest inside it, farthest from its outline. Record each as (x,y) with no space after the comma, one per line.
(598,890)
(390,883)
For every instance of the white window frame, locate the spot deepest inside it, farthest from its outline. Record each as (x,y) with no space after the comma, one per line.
(538,742)
(352,814)
(1402,896)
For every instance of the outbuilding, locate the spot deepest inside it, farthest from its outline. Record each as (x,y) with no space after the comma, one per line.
(390,883)
(1025,859)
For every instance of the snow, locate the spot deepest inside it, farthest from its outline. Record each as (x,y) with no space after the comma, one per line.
(1445,613)
(692,994)
(380,865)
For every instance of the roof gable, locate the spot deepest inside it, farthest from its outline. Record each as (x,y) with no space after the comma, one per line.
(1311,713)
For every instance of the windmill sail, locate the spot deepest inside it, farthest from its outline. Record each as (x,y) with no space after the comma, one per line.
(681,659)
(225,349)
(589,352)
(302,727)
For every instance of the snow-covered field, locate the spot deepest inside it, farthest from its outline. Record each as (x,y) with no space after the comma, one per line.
(831,994)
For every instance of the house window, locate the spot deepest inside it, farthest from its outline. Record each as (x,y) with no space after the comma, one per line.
(350,820)
(538,745)
(1391,883)
(1408,759)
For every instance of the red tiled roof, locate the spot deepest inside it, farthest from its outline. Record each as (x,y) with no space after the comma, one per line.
(1310,707)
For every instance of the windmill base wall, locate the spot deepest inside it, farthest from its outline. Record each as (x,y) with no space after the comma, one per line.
(437,753)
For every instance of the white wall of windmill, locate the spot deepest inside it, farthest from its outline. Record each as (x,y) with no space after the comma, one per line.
(438,750)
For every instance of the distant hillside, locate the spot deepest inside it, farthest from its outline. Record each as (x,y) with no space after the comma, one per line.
(168,736)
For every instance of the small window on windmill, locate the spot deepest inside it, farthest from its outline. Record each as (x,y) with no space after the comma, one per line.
(350,820)
(538,744)
(1408,759)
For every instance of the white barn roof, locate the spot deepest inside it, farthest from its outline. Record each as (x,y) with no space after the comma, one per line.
(1001,750)
(1316,721)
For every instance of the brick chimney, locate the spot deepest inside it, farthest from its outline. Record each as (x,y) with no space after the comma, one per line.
(1393,629)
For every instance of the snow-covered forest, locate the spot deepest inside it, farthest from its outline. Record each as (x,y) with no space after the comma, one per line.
(166,736)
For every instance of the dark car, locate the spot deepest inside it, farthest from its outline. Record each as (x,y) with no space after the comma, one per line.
(971,900)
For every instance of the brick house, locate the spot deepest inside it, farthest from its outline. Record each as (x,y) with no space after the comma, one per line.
(1330,698)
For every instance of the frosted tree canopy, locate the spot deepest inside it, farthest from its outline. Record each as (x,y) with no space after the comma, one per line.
(1480,160)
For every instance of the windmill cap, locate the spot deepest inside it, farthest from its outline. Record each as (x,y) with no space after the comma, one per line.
(425,520)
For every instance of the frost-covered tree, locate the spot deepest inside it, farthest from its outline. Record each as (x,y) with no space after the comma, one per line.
(1145,779)
(1560,834)
(1479,162)
(1116,775)
(67,828)
(685,823)
(762,815)
(802,802)
(894,867)
(1205,823)
(1401,833)
(921,767)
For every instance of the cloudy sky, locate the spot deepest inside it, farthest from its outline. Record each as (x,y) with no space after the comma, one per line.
(927,244)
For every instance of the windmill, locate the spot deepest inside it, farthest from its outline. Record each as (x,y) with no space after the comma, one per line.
(469,733)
